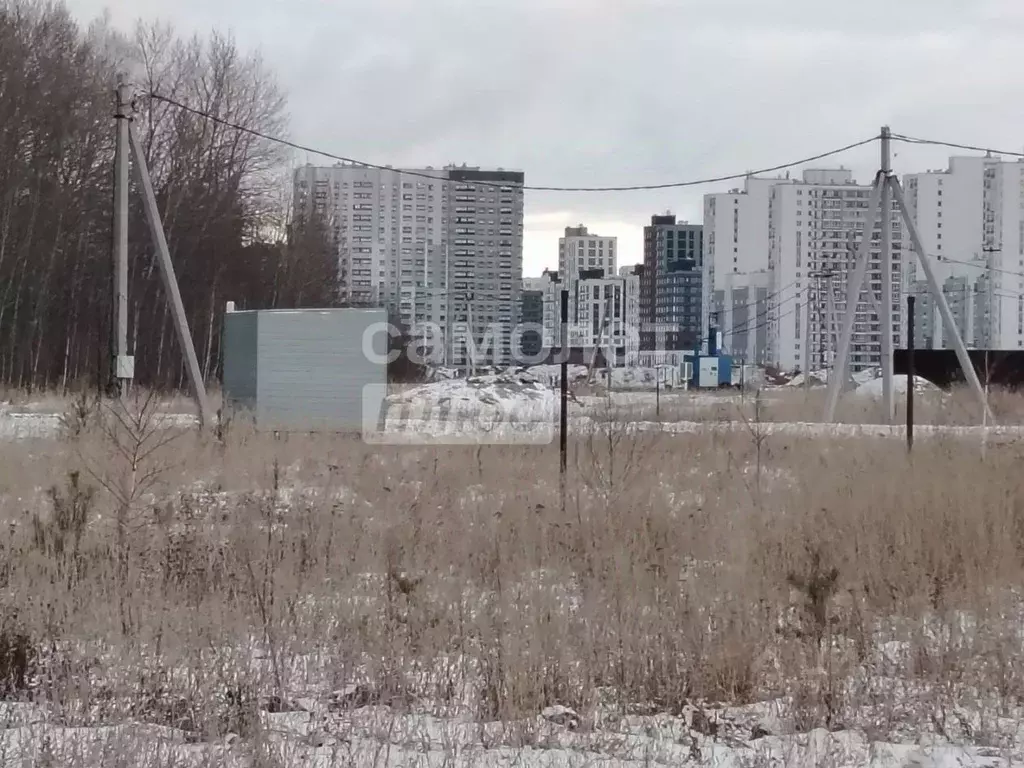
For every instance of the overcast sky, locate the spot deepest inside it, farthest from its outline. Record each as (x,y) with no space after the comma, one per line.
(618,92)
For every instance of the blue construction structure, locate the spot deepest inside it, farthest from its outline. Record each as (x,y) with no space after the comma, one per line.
(712,369)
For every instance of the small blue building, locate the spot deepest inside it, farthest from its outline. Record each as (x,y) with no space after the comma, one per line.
(712,369)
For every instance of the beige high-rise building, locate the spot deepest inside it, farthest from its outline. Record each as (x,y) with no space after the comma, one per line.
(441,246)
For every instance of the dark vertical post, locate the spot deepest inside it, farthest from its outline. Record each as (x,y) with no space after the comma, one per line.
(657,392)
(563,418)
(910,372)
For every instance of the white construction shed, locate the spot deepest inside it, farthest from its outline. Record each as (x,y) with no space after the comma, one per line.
(305,370)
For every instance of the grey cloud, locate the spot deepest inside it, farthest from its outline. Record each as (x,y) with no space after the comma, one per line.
(609,92)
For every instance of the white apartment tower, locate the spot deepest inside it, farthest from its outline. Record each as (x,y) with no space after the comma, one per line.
(816,226)
(737,283)
(579,250)
(631,274)
(550,286)
(584,257)
(390,228)
(971,221)
(607,312)
(440,246)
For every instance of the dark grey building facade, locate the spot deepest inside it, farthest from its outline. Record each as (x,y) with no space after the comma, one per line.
(671,282)
(485,258)
(531,340)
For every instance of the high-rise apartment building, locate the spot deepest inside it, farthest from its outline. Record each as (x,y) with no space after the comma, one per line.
(550,284)
(736,281)
(971,220)
(390,228)
(671,291)
(740,310)
(580,250)
(442,247)
(531,316)
(779,253)
(485,260)
(815,226)
(606,313)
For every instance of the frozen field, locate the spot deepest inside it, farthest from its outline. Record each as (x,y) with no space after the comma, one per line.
(714,593)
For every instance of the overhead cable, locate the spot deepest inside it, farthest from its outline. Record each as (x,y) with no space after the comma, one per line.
(629,188)
(748,325)
(767,299)
(952,145)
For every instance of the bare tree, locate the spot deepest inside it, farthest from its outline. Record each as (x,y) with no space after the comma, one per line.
(219,192)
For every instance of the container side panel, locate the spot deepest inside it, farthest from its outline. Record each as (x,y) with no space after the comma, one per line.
(314,367)
(240,360)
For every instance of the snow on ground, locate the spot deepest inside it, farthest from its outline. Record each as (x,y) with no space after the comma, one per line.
(820,378)
(325,733)
(24,424)
(634,378)
(622,378)
(329,729)
(900,384)
(587,425)
(511,394)
(552,374)
(497,409)
(508,406)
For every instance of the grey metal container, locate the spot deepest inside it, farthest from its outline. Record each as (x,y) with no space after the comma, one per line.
(306,369)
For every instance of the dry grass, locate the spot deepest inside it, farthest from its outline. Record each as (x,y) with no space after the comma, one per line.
(56,401)
(784,404)
(180,580)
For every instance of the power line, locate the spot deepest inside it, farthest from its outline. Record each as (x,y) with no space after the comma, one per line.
(629,188)
(765,303)
(747,327)
(783,316)
(980,266)
(766,299)
(952,145)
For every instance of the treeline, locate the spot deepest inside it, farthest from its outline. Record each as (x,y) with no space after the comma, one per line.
(224,197)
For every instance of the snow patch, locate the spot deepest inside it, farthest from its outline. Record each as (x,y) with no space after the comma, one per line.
(900,384)
(509,397)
